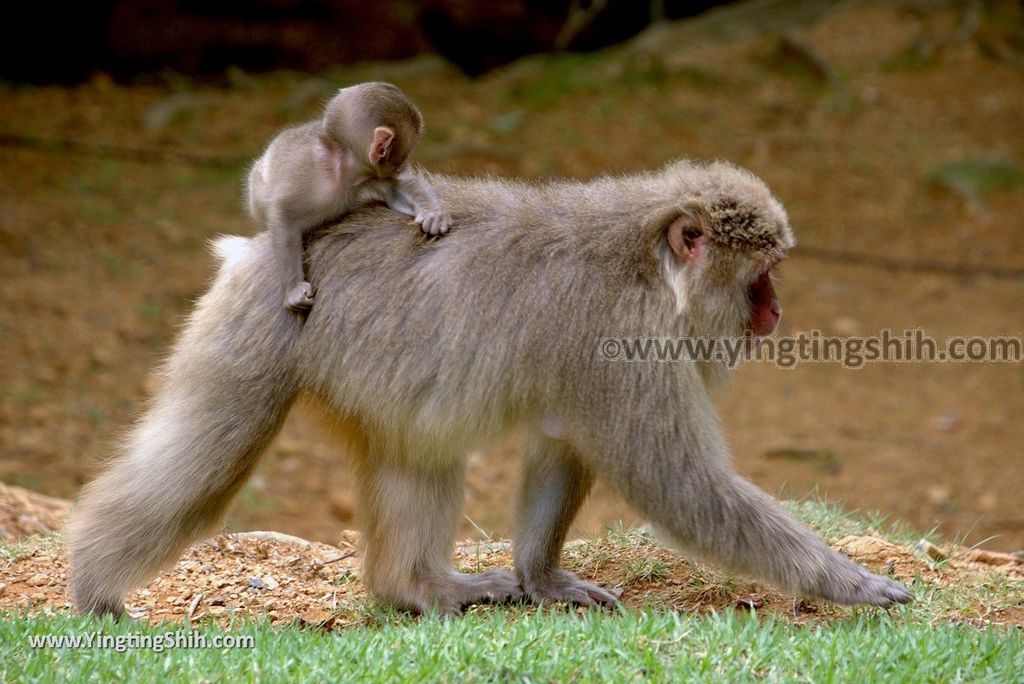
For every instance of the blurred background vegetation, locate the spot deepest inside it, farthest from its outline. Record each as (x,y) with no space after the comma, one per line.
(891,130)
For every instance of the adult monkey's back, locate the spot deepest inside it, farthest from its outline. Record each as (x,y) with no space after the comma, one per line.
(427,351)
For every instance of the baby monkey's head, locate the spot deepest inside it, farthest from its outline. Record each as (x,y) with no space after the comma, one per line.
(377,123)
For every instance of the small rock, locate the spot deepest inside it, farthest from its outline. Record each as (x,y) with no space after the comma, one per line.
(991,557)
(38,580)
(162,113)
(845,325)
(256,583)
(946,422)
(3,588)
(217,601)
(867,547)
(804,606)
(938,494)
(988,502)
(270,583)
(926,548)
(750,601)
(315,618)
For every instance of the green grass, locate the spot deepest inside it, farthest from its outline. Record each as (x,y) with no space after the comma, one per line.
(975,177)
(500,646)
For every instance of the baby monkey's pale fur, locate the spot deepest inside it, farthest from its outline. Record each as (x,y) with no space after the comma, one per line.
(355,154)
(426,351)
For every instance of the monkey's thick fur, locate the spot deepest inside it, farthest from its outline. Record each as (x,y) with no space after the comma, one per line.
(426,351)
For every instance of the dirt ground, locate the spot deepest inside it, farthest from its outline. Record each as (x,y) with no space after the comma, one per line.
(292,581)
(887,133)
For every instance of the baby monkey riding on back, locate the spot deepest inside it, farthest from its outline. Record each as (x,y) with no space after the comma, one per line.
(355,154)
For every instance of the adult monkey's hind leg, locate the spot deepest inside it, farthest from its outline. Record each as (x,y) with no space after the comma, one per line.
(224,393)
(411,516)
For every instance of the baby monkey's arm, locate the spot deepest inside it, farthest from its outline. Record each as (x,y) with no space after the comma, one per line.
(413,194)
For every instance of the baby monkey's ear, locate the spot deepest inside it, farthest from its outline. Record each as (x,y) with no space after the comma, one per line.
(381,145)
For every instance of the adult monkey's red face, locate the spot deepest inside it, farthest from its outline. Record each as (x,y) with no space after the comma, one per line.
(765,309)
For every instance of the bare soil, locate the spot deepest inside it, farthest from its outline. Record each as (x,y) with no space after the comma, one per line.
(102,253)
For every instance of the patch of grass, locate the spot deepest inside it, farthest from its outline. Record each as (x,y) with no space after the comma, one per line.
(643,570)
(9,550)
(834,523)
(624,537)
(30,394)
(254,500)
(87,410)
(26,480)
(118,267)
(557,77)
(974,177)
(96,178)
(793,58)
(550,646)
(700,78)
(150,310)
(95,414)
(917,56)
(644,70)
(507,123)
(820,458)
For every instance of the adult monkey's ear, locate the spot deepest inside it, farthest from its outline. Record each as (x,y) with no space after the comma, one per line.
(381,145)
(685,235)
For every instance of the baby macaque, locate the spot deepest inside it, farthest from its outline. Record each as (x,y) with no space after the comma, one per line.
(355,154)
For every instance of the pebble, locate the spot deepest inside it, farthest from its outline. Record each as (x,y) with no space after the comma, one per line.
(38,580)
(926,548)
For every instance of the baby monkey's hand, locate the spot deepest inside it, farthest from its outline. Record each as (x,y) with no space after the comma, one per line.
(434,223)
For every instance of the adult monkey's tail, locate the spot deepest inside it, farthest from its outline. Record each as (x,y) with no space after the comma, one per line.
(225,391)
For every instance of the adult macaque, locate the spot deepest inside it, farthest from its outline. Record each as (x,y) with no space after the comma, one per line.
(426,351)
(355,154)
